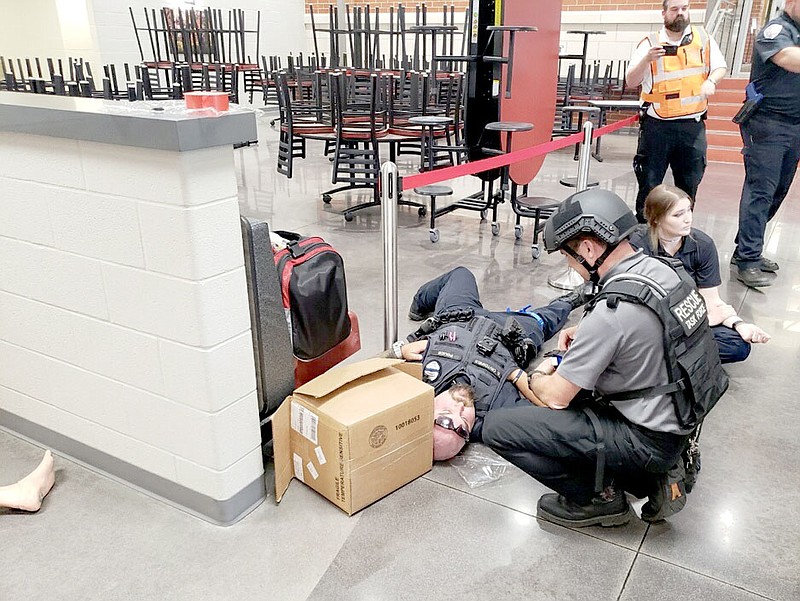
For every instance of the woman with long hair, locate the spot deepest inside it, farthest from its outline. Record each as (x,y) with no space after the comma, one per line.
(668,211)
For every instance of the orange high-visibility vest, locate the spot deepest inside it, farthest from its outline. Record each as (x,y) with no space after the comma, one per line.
(677,79)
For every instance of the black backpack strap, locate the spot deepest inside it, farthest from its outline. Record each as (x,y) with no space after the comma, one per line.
(648,392)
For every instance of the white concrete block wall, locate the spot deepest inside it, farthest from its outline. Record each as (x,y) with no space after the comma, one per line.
(124,321)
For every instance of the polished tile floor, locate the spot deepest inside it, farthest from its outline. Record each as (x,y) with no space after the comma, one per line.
(737,540)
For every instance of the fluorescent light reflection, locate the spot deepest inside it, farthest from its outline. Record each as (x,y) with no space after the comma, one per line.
(728,521)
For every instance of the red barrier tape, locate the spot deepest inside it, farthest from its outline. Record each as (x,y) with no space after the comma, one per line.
(607,129)
(440,175)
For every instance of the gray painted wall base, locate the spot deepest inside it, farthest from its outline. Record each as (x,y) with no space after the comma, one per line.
(219,512)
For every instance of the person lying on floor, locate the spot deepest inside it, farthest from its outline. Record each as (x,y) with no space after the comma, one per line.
(669,233)
(474,358)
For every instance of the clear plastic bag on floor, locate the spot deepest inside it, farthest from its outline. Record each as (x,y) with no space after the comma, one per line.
(479,465)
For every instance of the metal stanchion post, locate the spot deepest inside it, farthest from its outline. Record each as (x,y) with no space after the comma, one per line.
(585,156)
(571,279)
(390,189)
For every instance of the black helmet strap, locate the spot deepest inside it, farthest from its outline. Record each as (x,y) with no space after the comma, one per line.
(594,277)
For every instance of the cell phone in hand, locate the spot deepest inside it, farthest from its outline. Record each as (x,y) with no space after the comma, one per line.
(670,50)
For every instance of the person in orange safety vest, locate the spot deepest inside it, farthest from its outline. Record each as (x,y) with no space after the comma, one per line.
(678,67)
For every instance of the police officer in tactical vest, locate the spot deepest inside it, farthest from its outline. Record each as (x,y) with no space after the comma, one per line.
(644,351)
(678,67)
(474,358)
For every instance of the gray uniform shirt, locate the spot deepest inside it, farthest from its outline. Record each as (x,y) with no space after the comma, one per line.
(622,349)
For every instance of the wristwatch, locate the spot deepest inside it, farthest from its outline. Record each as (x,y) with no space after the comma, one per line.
(396,349)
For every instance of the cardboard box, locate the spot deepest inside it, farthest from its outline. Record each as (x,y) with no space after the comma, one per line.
(355,434)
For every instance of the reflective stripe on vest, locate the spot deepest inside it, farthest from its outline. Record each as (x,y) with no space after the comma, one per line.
(677,79)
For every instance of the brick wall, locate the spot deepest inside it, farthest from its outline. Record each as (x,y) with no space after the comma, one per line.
(760,13)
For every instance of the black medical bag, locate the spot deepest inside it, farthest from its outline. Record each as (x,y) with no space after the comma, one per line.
(314,291)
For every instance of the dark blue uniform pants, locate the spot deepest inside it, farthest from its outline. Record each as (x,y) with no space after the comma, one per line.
(680,145)
(457,289)
(732,348)
(771,151)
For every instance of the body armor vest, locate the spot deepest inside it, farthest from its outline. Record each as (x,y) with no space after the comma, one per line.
(473,352)
(677,79)
(696,378)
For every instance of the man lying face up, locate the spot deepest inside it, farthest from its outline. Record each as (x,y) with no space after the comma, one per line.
(474,358)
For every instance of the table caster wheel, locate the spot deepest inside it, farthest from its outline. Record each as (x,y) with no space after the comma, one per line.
(348,217)
(434,234)
(326,198)
(483,215)
(495,229)
(422,211)
(536,252)
(518,229)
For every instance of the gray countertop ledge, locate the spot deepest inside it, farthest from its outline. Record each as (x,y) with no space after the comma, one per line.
(161,125)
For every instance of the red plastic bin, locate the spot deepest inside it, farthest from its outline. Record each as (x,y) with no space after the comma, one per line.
(305,370)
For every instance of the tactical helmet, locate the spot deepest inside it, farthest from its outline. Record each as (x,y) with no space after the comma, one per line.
(595,212)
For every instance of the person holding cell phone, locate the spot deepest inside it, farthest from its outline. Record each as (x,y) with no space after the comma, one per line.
(678,67)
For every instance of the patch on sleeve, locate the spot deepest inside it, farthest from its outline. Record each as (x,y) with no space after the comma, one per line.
(431,371)
(773,31)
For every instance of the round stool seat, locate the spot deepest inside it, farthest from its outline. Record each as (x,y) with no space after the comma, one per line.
(581,109)
(537,202)
(509,126)
(434,190)
(572,182)
(430,120)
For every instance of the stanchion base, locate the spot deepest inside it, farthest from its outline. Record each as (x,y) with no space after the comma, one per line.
(568,280)
(572,182)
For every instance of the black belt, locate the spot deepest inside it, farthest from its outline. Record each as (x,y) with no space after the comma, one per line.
(703,117)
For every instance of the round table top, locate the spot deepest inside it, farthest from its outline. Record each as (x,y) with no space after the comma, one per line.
(586,32)
(581,109)
(430,120)
(509,126)
(434,190)
(433,28)
(512,28)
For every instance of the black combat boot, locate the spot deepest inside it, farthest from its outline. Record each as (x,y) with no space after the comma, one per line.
(764,264)
(668,496)
(610,508)
(753,277)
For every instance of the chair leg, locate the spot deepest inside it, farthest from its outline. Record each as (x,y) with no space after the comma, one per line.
(433,232)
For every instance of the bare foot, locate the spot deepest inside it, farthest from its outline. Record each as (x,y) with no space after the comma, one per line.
(35,486)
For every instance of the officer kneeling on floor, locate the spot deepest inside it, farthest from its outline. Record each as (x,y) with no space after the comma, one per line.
(639,374)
